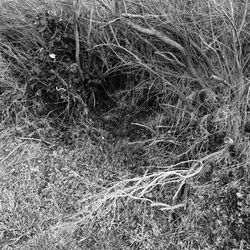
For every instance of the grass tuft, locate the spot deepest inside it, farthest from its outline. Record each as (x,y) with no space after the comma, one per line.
(124,124)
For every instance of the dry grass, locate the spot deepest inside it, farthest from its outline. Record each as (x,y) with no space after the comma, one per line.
(123,125)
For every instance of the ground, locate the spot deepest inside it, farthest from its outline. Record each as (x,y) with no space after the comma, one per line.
(125,125)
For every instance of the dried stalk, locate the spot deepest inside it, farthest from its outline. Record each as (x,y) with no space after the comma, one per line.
(77,53)
(152,32)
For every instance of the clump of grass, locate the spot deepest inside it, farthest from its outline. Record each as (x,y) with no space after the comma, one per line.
(170,81)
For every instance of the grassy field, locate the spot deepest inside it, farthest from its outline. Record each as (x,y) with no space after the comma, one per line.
(125,124)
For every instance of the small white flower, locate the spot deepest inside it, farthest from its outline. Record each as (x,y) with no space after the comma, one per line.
(228,140)
(52,56)
(240,195)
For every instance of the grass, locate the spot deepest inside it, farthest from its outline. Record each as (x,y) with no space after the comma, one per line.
(124,125)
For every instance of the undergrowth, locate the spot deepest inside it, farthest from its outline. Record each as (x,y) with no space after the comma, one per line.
(124,124)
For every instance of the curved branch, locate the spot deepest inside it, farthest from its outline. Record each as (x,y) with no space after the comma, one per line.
(159,35)
(152,32)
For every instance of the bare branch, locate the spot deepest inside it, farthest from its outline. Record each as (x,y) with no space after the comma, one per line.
(152,32)
(159,35)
